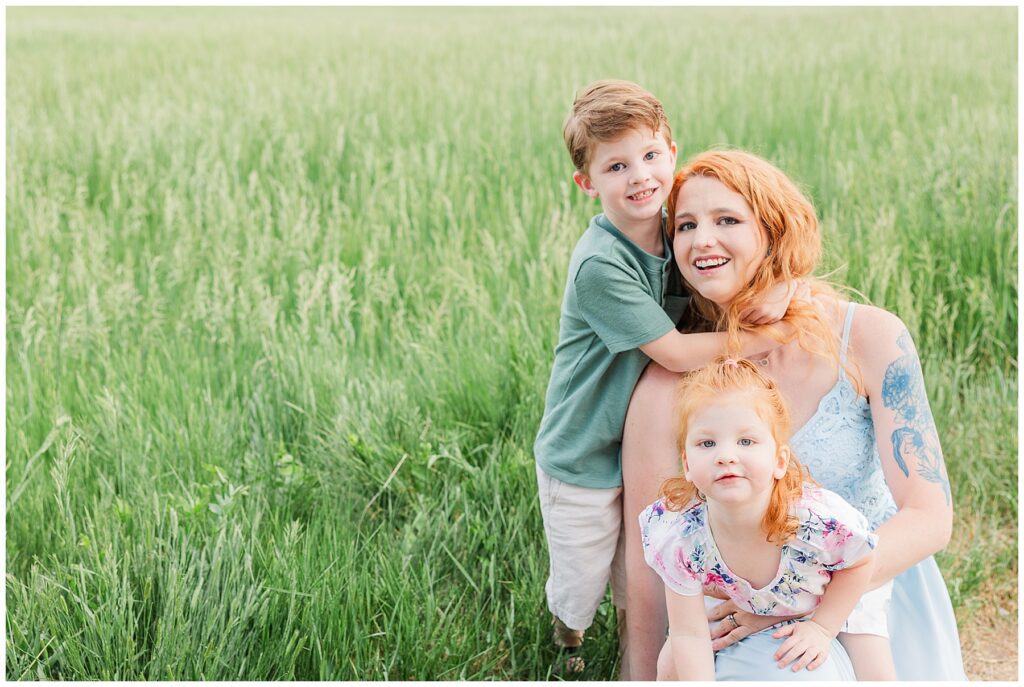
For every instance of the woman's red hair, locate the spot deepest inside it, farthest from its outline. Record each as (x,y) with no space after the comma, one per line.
(695,392)
(794,239)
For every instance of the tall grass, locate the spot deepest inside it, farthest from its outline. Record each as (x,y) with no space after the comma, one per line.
(283,285)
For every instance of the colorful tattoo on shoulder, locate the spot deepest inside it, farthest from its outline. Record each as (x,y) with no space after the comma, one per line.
(915,436)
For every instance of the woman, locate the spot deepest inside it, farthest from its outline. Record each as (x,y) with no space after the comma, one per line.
(853,382)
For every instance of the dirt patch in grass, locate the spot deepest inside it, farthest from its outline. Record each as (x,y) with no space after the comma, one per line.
(988,636)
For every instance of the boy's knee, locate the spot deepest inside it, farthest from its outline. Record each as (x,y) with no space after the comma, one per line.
(564,637)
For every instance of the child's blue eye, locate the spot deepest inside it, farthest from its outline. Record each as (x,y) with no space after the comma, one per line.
(746,442)
(707,443)
(651,155)
(617,167)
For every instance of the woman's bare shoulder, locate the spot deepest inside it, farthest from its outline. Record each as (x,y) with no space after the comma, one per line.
(877,337)
(872,324)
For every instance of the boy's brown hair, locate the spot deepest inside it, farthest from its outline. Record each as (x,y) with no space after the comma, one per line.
(605,110)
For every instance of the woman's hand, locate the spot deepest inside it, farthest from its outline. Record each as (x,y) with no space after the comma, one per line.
(735,624)
(808,641)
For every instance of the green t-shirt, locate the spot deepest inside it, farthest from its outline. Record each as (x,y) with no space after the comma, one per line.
(617,298)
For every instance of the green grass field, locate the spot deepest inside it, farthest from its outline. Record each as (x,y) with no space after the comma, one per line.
(283,290)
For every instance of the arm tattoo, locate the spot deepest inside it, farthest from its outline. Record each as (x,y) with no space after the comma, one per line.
(915,435)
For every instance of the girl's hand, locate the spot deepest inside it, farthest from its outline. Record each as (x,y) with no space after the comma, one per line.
(726,632)
(808,641)
(776,302)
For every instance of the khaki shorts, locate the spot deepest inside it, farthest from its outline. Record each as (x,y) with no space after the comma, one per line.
(586,548)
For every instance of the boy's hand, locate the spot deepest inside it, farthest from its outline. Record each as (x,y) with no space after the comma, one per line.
(808,641)
(776,302)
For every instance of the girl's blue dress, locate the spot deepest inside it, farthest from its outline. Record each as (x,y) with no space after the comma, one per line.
(838,446)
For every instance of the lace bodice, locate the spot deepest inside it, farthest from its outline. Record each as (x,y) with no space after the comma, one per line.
(838,446)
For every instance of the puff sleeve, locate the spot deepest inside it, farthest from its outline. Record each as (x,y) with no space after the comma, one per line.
(838,533)
(673,547)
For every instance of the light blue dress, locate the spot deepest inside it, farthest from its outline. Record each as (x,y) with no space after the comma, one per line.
(838,446)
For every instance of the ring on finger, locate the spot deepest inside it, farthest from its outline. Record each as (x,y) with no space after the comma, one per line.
(732,617)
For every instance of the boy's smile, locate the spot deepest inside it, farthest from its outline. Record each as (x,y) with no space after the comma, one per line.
(632,175)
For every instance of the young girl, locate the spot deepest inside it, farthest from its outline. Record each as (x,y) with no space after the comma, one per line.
(746,518)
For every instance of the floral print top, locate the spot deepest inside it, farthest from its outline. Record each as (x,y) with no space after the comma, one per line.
(831,536)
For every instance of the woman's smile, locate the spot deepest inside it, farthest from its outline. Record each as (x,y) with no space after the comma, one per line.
(710,262)
(718,242)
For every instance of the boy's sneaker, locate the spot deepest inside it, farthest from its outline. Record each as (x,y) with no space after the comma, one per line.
(569,641)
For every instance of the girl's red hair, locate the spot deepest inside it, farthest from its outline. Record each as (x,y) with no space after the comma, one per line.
(723,376)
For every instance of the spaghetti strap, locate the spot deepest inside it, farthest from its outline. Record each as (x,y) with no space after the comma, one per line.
(846,338)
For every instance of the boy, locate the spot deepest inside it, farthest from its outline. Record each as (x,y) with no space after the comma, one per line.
(623,299)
